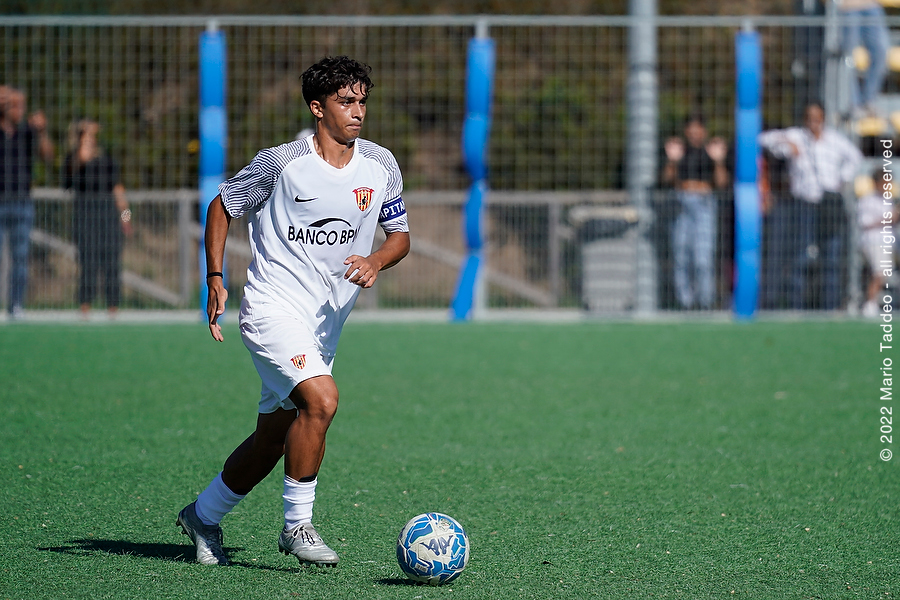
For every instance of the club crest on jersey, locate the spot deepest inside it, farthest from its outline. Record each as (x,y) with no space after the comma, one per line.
(363,197)
(299,361)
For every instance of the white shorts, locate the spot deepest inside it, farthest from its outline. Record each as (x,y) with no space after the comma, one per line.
(284,353)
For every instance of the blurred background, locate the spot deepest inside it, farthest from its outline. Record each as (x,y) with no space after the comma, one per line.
(564,228)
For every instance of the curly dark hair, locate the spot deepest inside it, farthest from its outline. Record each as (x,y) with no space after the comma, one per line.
(332,74)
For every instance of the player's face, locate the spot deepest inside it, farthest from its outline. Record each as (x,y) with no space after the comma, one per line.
(342,114)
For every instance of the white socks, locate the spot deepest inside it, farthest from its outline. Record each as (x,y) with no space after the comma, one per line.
(298,501)
(216,501)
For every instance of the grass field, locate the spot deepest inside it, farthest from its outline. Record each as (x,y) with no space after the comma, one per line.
(589,460)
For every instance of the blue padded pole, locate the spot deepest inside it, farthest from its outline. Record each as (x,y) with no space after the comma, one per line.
(476,131)
(213,130)
(747,215)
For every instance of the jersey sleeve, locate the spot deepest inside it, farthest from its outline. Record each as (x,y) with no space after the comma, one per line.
(250,187)
(392,217)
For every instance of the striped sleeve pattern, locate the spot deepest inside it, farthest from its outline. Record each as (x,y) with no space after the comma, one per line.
(383,156)
(392,216)
(252,186)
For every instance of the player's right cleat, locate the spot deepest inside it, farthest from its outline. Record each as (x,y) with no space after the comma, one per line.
(303,541)
(207,538)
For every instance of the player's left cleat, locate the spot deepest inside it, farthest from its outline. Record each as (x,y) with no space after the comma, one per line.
(304,542)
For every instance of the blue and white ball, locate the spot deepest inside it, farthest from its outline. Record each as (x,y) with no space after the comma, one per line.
(433,548)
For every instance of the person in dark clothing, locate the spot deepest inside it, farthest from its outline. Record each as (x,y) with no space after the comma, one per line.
(19,142)
(695,167)
(101,214)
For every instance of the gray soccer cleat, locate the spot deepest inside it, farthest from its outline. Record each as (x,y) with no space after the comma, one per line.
(303,541)
(207,538)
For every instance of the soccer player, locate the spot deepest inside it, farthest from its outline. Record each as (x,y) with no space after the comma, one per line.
(313,205)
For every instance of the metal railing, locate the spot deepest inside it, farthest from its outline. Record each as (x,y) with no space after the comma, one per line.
(562,227)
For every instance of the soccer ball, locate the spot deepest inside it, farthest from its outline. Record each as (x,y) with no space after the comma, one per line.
(433,548)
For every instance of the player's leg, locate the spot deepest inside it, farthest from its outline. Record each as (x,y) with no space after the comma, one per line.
(249,464)
(255,458)
(316,400)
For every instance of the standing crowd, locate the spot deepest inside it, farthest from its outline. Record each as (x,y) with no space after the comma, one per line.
(101,216)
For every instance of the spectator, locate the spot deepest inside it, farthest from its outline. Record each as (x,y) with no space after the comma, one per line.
(101,214)
(695,166)
(821,161)
(864,23)
(777,241)
(20,142)
(875,217)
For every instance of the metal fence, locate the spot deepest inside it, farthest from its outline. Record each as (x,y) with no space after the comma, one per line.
(562,230)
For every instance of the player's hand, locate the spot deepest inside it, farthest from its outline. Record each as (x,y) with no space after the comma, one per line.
(674,149)
(215,306)
(361,272)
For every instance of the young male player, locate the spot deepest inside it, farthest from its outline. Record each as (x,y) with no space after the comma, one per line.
(313,204)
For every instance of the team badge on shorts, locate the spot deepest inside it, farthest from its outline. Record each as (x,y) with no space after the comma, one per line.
(363,197)
(299,361)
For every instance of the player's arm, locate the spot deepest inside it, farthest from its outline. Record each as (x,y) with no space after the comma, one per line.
(217,223)
(363,270)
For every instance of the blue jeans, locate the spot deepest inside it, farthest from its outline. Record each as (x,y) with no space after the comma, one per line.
(810,248)
(877,39)
(16,219)
(693,249)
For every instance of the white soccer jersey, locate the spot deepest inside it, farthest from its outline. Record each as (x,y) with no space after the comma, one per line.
(306,218)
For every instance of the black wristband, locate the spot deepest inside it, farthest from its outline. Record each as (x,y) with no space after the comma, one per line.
(215,274)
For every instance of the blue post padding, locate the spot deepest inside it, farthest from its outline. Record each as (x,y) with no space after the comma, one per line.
(748,124)
(748,66)
(213,132)
(479,75)
(461,307)
(473,216)
(474,143)
(476,127)
(212,65)
(213,127)
(747,252)
(747,215)
(476,131)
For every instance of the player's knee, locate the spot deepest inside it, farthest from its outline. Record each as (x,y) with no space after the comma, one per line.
(321,407)
(325,406)
(318,401)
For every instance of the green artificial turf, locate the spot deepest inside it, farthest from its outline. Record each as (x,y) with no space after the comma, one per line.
(586,460)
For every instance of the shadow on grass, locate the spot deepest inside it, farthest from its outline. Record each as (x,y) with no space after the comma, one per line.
(169,552)
(397,581)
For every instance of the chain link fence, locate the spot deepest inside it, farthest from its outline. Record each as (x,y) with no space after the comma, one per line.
(562,231)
